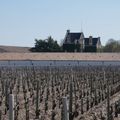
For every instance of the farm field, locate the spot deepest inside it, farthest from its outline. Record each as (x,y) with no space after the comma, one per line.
(71,92)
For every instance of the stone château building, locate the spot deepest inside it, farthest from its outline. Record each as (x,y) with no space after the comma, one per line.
(76,42)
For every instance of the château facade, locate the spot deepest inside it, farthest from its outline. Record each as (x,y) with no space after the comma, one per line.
(76,42)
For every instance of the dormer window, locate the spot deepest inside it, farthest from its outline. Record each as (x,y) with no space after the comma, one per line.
(68,39)
(90,40)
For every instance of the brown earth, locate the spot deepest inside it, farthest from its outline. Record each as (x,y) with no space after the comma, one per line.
(14,49)
(60,56)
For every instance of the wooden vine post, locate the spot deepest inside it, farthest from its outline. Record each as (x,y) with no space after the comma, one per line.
(65,109)
(108,98)
(71,99)
(37,101)
(0,114)
(11,107)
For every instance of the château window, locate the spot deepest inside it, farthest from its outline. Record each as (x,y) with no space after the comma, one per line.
(76,41)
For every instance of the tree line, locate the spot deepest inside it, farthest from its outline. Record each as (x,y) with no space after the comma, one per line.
(111,46)
(51,45)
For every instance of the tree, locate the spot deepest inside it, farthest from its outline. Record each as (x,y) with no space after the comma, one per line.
(112,46)
(47,45)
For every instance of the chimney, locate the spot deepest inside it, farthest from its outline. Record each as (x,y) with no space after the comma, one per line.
(98,38)
(90,37)
(68,31)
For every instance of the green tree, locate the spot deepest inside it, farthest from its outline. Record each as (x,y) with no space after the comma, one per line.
(112,46)
(47,45)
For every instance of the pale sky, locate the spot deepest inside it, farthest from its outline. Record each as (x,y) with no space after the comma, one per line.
(21,21)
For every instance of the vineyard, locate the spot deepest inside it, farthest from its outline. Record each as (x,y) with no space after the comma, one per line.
(60,93)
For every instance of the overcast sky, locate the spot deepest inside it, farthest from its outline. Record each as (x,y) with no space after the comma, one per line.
(21,21)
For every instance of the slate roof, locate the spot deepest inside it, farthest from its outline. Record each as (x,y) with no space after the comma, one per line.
(71,37)
(94,41)
(74,36)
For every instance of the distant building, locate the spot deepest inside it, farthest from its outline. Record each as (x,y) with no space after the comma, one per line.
(76,42)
